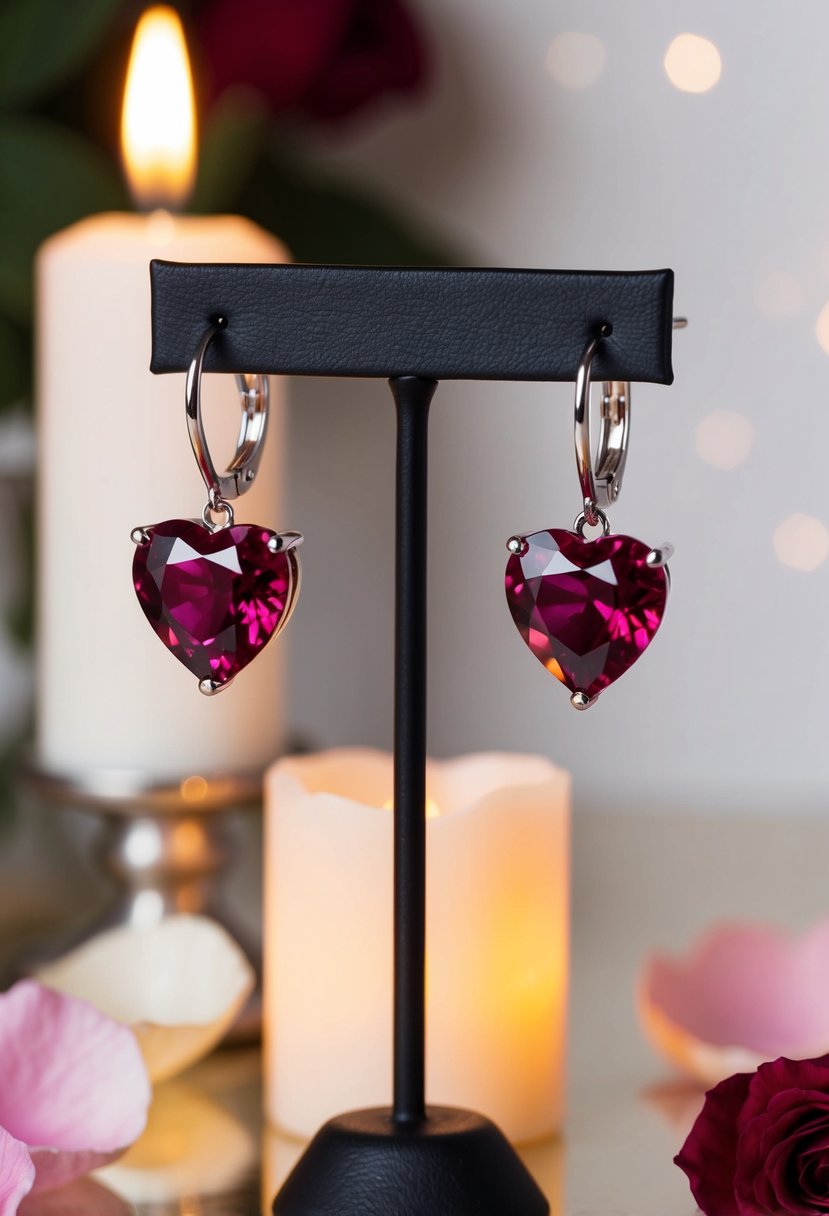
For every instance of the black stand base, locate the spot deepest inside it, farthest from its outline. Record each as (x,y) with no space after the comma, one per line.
(455,1163)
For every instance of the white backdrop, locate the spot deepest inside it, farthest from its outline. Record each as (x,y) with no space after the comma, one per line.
(730,187)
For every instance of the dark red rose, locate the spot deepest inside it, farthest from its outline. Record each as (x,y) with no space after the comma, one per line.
(321,58)
(760,1146)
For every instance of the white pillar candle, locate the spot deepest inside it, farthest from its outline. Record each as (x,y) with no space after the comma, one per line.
(497,937)
(114,453)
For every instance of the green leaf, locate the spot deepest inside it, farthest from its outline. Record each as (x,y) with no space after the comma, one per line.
(231,144)
(15,363)
(43,42)
(323,219)
(49,177)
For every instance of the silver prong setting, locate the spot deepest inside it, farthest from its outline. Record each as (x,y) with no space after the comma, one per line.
(581,701)
(140,536)
(283,541)
(517,545)
(210,688)
(659,557)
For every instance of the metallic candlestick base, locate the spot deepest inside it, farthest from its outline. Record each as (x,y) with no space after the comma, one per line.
(165,848)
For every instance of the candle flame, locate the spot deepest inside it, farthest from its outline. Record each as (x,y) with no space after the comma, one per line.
(158,121)
(432,808)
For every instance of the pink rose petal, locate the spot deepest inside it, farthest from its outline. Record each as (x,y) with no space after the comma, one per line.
(17,1173)
(749,986)
(74,1086)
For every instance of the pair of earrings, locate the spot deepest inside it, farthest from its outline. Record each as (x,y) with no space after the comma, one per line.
(216,591)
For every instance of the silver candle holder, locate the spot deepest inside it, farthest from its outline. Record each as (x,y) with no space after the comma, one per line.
(164,848)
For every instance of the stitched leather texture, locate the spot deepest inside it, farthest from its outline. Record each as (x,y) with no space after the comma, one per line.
(447,324)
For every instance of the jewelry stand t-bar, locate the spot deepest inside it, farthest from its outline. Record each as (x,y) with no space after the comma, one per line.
(415,327)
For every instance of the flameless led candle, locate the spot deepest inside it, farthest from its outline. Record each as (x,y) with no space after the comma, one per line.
(114,454)
(497,938)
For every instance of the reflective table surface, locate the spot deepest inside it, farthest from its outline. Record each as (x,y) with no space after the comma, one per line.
(639,882)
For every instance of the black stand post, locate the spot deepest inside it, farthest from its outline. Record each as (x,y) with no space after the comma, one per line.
(412,395)
(418,326)
(408,1161)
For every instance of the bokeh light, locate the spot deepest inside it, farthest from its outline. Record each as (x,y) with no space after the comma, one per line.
(724,439)
(801,542)
(693,63)
(576,60)
(778,294)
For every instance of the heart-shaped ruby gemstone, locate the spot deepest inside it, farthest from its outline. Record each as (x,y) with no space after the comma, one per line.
(587,609)
(214,598)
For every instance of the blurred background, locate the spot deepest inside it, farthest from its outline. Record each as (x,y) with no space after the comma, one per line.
(571,135)
(586,135)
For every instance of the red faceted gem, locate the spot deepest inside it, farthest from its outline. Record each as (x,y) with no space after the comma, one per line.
(587,609)
(214,598)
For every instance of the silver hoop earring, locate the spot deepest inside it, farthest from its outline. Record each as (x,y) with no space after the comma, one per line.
(601,485)
(215,593)
(588,608)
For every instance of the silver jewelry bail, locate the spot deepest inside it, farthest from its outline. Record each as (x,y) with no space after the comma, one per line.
(601,483)
(254,395)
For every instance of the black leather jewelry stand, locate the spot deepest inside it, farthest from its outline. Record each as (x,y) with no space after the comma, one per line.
(414,327)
